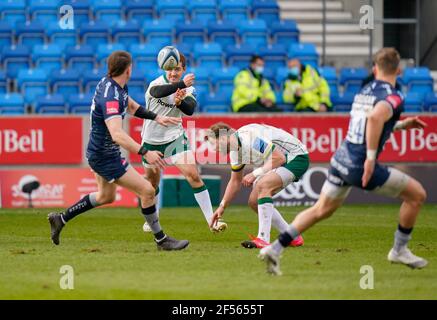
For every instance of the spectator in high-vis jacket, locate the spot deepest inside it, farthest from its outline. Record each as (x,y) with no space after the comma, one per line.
(252,92)
(305,88)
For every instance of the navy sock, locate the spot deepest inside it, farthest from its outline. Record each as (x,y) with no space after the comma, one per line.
(404,230)
(83,205)
(284,239)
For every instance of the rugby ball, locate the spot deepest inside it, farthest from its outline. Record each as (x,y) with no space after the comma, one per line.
(168,58)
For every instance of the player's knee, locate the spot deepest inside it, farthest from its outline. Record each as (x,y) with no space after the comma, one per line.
(323,212)
(147,195)
(253,204)
(264,189)
(420,195)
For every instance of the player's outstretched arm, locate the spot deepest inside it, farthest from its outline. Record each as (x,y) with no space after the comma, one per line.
(380,114)
(120,137)
(164,90)
(140,112)
(410,123)
(234,185)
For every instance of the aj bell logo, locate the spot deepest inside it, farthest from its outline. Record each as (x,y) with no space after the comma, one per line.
(11,141)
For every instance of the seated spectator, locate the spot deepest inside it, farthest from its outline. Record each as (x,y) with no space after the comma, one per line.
(252,93)
(306,89)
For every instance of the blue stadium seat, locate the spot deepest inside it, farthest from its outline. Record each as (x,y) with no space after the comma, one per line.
(144,55)
(47,57)
(82,10)
(431,102)
(275,55)
(190,32)
(13,11)
(267,10)
(61,37)
(80,57)
(239,55)
(223,78)
(202,78)
(139,10)
(330,75)
(413,102)
(80,103)
(32,83)
(216,103)
(159,32)
(208,55)
(65,81)
(50,104)
(30,33)
(352,78)
(203,10)
(14,58)
(305,52)
(12,103)
(3,82)
(107,10)
(253,32)
(171,10)
(126,32)
(104,50)
(270,75)
(6,33)
(94,33)
(44,10)
(343,103)
(235,10)
(90,79)
(418,80)
(153,73)
(223,32)
(281,76)
(137,82)
(284,32)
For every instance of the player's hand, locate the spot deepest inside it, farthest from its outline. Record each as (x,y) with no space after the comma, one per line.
(189,79)
(166,121)
(155,158)
(216,216)
(414,123)
(179,96)
(248,180)
(369,167)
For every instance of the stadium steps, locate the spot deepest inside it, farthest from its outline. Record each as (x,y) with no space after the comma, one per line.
(346,44)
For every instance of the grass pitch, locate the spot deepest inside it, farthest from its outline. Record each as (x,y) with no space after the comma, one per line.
(113,259)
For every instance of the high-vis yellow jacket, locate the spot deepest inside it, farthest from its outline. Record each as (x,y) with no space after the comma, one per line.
(247,89)
(314,90)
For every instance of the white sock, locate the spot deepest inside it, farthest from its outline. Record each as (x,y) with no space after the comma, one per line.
(204,201)
(278,221)
(265,212)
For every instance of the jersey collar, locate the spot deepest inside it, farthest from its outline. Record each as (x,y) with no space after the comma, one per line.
(165,78)
(115,83)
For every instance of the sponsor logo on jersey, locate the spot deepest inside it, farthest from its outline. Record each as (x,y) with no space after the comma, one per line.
(165,104)
(394,100)
(112,107)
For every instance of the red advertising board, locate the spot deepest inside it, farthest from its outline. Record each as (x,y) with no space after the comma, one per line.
(321,134)
(40,140)
(59,187)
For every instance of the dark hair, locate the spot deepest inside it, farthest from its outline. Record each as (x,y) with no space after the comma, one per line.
(183,60)
(255,57)
(118,62)
(387,59)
